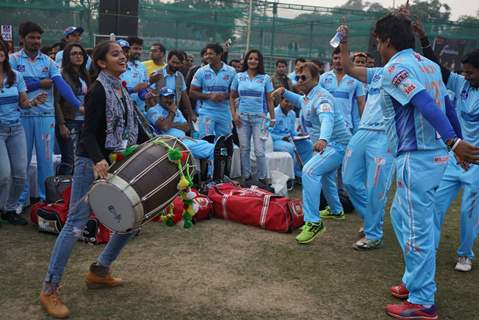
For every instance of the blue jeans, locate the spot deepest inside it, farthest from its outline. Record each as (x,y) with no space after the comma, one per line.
(78,215)
(252,125)
(13,165)
(68,146)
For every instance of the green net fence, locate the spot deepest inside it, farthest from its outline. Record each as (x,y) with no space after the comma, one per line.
(277,29)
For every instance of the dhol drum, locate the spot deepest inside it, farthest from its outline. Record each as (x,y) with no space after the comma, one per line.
(139,187)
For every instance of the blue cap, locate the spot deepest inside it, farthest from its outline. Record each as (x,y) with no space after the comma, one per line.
(123,43)
(68,31)
(166,92)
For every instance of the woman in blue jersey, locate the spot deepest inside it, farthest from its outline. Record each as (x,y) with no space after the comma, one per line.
(69,120)
(253,88)
(13,150)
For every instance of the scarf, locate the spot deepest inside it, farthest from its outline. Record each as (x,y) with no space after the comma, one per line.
(116,128)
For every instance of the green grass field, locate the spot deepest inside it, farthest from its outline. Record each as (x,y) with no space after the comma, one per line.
(222,270)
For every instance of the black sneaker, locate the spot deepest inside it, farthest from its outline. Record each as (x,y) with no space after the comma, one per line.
(13,218)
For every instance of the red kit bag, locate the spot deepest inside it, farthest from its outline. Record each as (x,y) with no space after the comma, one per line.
(252,206)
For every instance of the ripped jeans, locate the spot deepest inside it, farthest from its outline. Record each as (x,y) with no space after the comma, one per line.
(78,215)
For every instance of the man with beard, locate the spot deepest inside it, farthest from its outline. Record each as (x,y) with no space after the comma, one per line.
(172,78)
(135,74)
(40,73)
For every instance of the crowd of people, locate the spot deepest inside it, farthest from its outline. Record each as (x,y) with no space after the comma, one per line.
(359,125)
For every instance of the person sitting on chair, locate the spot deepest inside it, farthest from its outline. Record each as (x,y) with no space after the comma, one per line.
(284,134)
(168,120)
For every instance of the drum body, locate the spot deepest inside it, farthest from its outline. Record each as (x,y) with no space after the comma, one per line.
(138,187)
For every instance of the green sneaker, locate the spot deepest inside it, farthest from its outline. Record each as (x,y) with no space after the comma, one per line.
(309,232)
(365,244)
(327,214)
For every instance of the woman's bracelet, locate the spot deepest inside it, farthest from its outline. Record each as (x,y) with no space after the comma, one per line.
(458,140)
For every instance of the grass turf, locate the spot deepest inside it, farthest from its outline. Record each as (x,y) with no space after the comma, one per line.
(223,270)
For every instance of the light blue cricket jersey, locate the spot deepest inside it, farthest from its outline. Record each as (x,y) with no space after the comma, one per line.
(39,68)
(319,108)
(406,74)
(159,112)
(210,81)
(135,73)
(252,92)
(344,93)
(285,124)
(372,118)
(10,101)
(467,106)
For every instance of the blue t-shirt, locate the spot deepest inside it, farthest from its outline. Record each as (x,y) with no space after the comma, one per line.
(210,81)
(284,125)
(406,74)
(344,92)
(41,67)
(59,58)
(319,110)
(252,92)
(10,101)
(467,106)
(159,112)
(372,118)
(135,73)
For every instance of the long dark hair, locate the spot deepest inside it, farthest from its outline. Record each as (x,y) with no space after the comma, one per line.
(68,71)
(11,76)
(260,68)
(99,53)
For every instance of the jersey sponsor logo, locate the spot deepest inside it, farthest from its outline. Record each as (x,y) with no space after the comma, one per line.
(226,77)
(21,68)
(391,69)
(407,87)
(376,78)
(325,107)
(400,77)
(418,56)
(441,160)
(350,82)
(259,81)
(207,76)
(428,69)
(241,78)
(328,80)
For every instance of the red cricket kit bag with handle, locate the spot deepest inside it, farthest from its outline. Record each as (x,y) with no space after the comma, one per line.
(255,207)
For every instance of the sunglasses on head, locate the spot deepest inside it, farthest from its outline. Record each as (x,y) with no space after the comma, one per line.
(303,78)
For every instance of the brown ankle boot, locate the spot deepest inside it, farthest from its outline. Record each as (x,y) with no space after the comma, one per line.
(100,277)
(53,305)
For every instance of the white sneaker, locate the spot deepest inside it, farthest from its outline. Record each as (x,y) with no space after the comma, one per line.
(464,264)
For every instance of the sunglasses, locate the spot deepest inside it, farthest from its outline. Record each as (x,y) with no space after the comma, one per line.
(302,78)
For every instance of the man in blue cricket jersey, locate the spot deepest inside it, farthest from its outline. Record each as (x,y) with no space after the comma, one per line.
(367,165)
(172,78)
(168,119)
(71,34)
(135,75)
(420,122)
(466,91)
(329,136)
(284,133)
(40,74)
(211,84)
(345,89)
